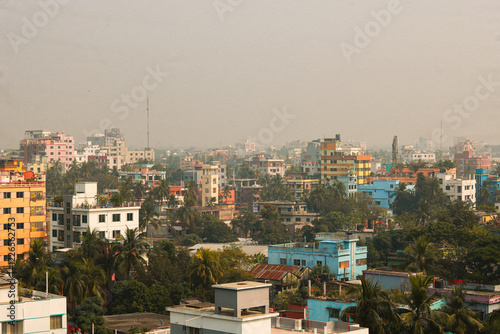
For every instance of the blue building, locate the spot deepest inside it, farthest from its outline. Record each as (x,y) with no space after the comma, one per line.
(327,310)
(381,191)
(344,259)
(493,183)
(351,183)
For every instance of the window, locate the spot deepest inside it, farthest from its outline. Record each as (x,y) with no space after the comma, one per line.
(6,211)
(54,217)
(20,256)
(20,226)
(282,261)
(319,263)
(20,241)
(54,233)
(333,313)
(448,188)
(303,263)
(20,210)
(19,194)
(6,226)
(102,218)
(130,217)
(361,262)
(6,242)
(344,264)
(56,321)
(6,195)
(116,233)
(84,219)
(6,258)
(297,219)
(116,217)
(296,262)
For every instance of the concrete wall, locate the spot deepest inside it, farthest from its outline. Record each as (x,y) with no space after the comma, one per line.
(319,308)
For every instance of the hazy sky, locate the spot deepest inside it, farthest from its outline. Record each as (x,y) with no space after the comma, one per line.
(230,63)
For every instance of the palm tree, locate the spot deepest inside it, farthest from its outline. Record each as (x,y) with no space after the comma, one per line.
(107,260)
(172,201)
(92,244)
(94,278)
(492,322)
(420,318)
(148,216)
(161,191)
(421,254)
(187,214)
(130,256)
(192,190)
(126,189)
(205,269)
(37,263)
(462,318)
(139,190)
(373,306)
(226,191)
(74,283)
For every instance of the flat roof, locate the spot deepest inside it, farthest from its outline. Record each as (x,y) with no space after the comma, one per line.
(123,322)
(242,285)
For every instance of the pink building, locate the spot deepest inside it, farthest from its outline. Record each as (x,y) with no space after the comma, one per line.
(60,148)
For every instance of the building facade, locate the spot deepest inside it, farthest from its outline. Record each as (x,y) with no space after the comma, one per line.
(381,191)
(69,222)
(22,213)
(343,257)
(457,189)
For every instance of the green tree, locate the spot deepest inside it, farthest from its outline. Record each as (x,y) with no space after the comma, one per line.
(463,320)
(130,256)
(162,191)
(420,317)
(205,270)
(373,308)
(91,312)
(421,255)
(148,215)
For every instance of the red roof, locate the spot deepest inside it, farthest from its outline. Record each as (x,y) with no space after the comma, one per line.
(273,271)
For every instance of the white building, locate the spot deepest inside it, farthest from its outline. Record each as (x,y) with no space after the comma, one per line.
(83,152)
(416,156)
(209,184)
(83,210)
(243,308)
(311,168)
(463,190)
(266,166)
(28,311)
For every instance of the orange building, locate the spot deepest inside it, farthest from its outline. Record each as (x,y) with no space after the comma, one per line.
(22,212)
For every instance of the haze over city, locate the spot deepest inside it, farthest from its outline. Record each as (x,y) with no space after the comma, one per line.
(229,67)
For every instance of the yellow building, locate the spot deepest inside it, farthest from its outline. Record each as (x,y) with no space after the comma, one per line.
(335,163)
(22,213)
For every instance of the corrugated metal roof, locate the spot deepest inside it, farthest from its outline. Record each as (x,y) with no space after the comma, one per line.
(274,271)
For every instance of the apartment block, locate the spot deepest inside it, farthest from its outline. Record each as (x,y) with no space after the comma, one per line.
(133,156)
(343,257)
(266,165)
(457,189)
(210,185)
(32,312)
(22,212)
(69,222)
(56,146)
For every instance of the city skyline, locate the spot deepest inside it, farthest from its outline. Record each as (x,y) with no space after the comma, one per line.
(368,71)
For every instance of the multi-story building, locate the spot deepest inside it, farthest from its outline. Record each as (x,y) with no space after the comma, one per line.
(249,146)
(312,152)
(457,189)
(39,164)
(266,165)
(416,156)
(134,156)
(114,143)
(210,185)
(56,146)
(311,168)
(298,187)
(350,182)
(343,257)
(336,163)
(31,311)
(69,222)
(22,209)
(106,162)
(381,191)
(467,160)
(294,215)
(194,174)
(84,151)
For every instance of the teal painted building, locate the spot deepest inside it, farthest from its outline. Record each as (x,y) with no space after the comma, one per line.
(343,257)
(327,310)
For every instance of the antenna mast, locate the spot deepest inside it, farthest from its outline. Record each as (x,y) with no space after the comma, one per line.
(147,110)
